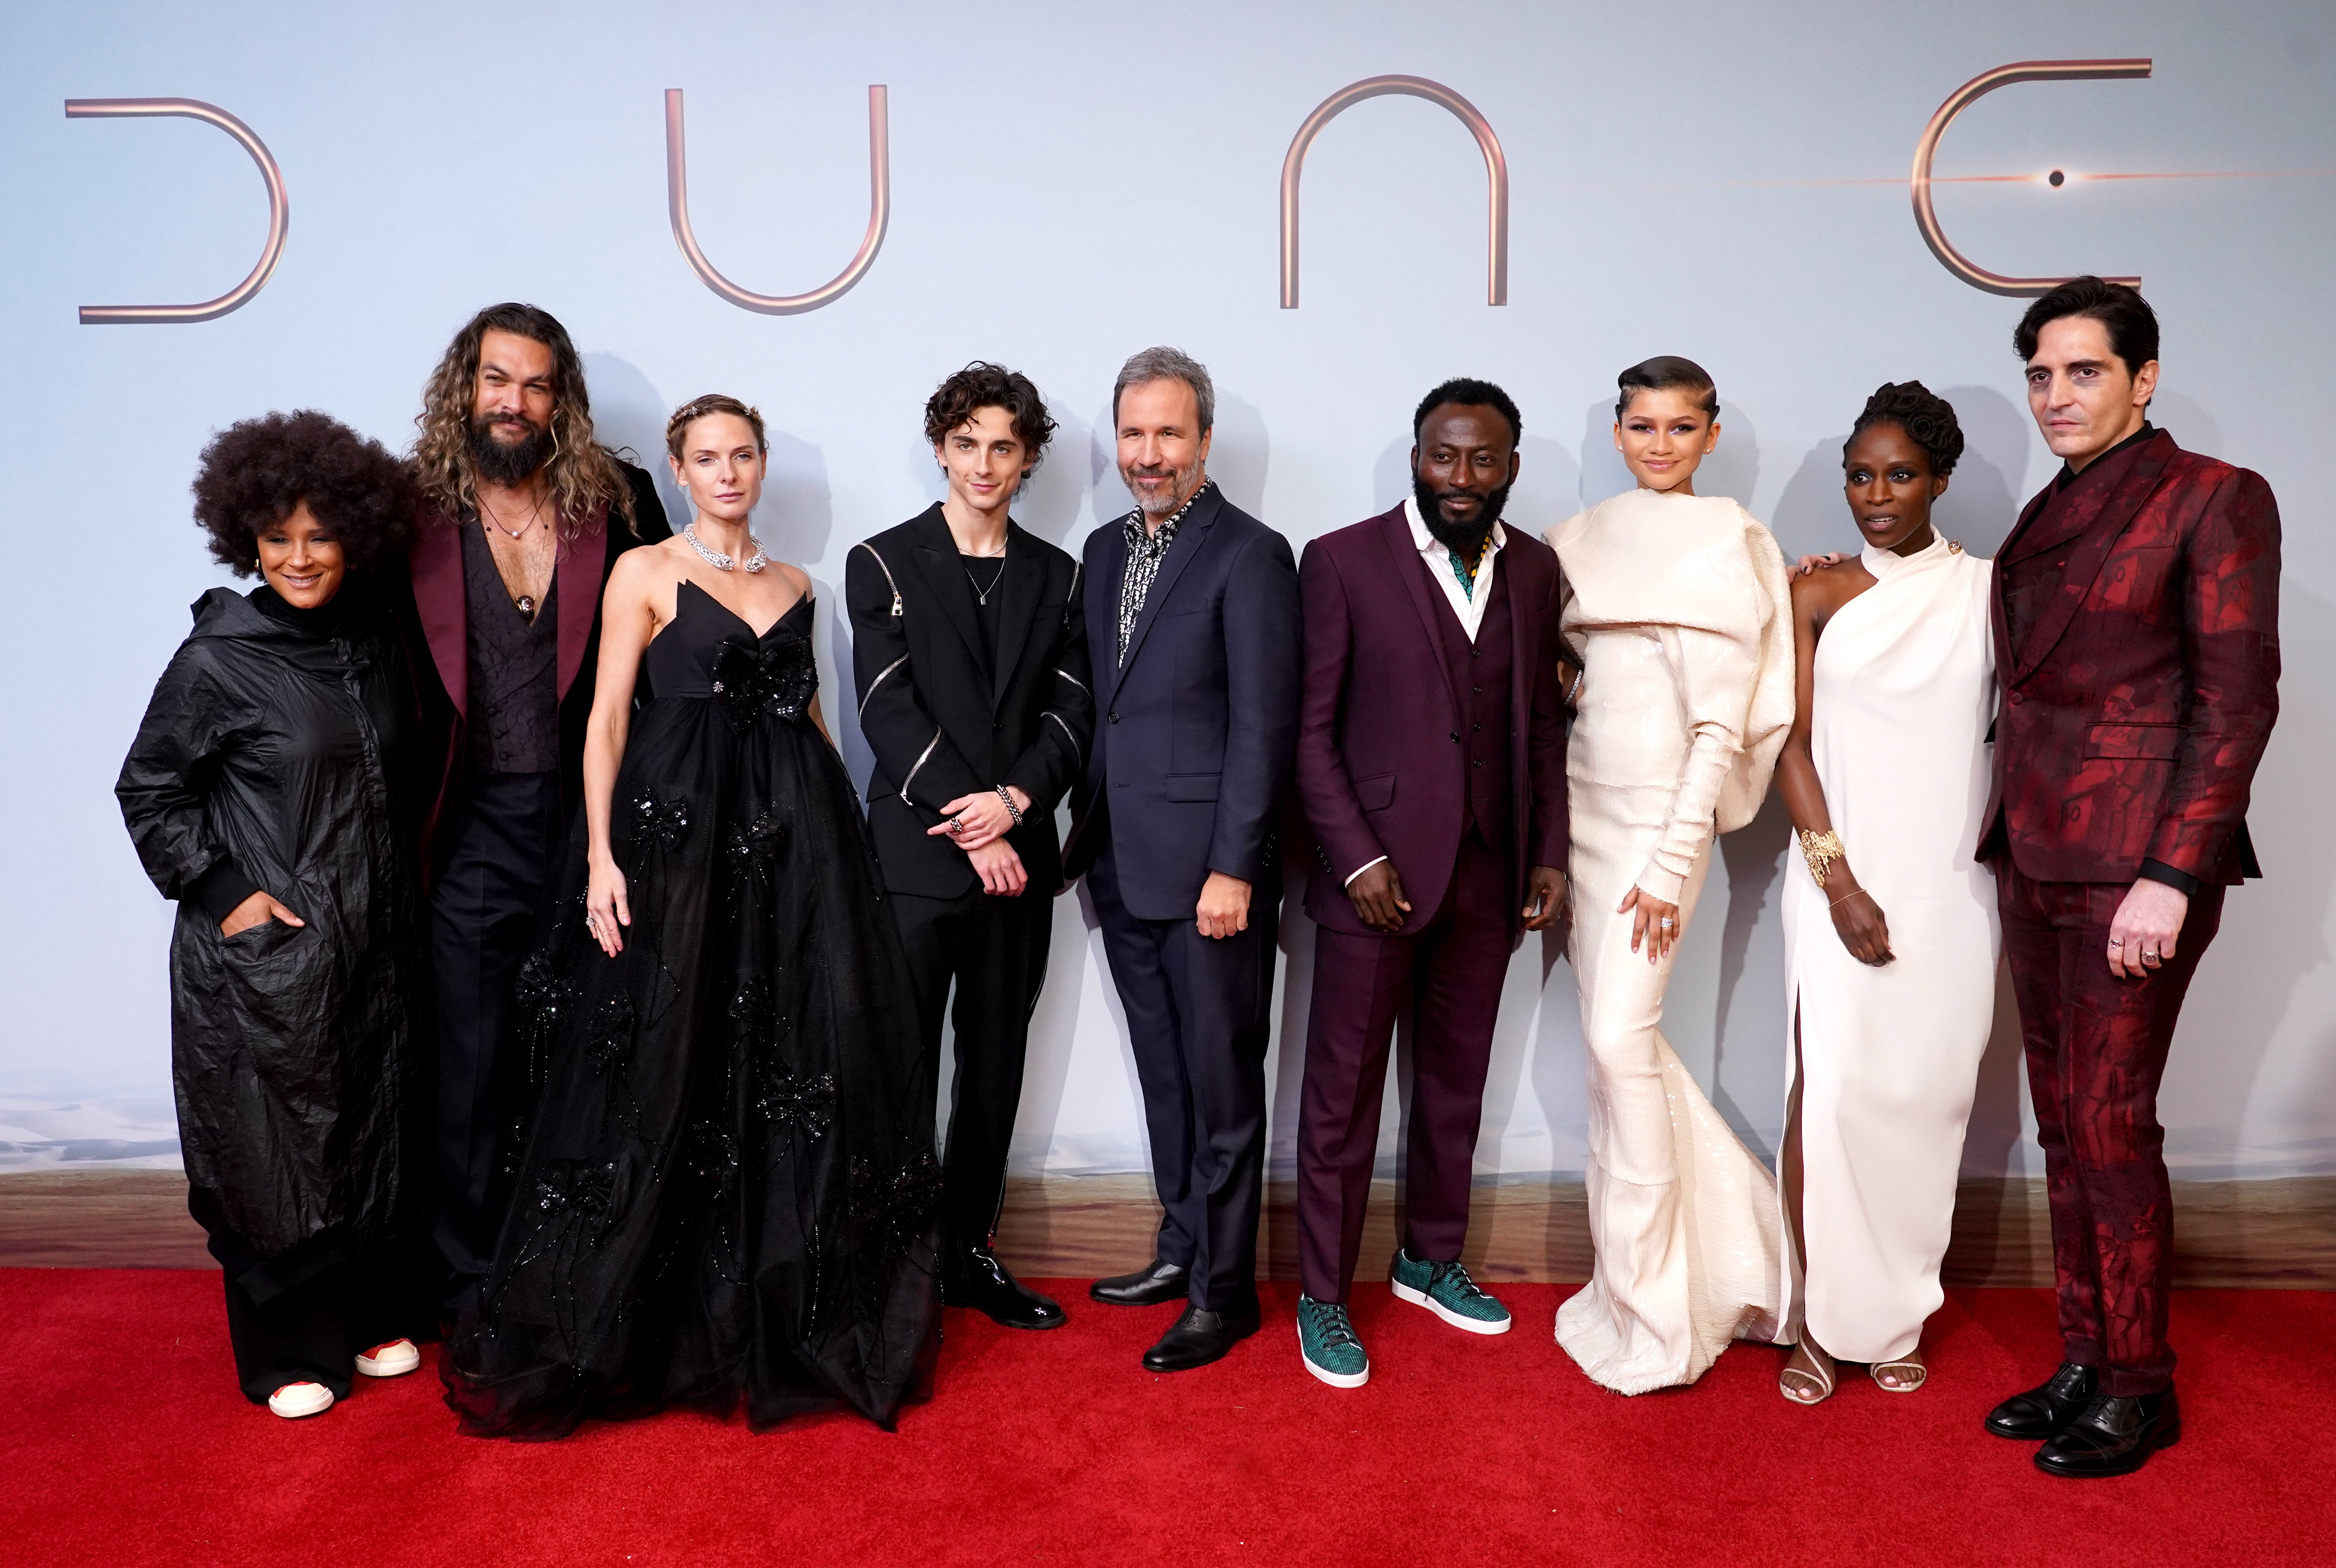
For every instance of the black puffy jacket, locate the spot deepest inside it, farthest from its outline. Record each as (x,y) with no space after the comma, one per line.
(270,757)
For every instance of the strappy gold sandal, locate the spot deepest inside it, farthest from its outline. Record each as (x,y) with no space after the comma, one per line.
(1911,1374)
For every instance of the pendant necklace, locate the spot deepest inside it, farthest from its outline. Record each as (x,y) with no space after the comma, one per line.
(721,562)
(980,592)
(534,515)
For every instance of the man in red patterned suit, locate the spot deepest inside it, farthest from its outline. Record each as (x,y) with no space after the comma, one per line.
(2136,608)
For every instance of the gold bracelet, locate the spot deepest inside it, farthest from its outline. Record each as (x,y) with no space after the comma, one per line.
(1820,850)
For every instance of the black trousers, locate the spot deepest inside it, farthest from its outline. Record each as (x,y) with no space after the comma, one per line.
(1200,1012)
(995,952)
(502,845)
(301,1316)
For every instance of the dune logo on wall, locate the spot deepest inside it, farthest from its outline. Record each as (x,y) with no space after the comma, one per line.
(1962,98)
(279,206)
(1496,174)
(879,215)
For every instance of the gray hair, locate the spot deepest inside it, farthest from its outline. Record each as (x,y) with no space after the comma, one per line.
(1164,363)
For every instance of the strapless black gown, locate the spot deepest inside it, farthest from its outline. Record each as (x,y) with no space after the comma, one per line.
(728,1192)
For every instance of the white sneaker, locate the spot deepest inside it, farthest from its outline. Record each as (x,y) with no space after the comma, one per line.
(395,1359)
(294,1400)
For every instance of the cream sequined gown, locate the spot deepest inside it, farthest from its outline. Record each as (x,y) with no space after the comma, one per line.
(1679,608)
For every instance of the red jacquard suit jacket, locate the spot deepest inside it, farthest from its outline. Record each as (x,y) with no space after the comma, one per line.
(2137,708)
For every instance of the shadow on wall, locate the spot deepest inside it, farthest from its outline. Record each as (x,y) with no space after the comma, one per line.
(1983,499)
(628,416)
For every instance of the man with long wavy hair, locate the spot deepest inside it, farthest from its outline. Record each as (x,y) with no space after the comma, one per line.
(523,514)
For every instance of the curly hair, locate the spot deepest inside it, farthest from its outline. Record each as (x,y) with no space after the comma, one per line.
(1928,420)
(698,408)
(256,472)
(1666,373)
(980,385)
(581,474)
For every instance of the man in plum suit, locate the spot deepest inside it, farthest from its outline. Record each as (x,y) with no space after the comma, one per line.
(2136,640)
(1431,762)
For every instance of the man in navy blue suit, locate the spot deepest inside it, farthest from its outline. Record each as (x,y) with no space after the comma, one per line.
(1191,611)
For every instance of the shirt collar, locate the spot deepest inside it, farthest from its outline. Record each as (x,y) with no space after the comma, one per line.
(1427,543)
(1138,534)
(2066,478)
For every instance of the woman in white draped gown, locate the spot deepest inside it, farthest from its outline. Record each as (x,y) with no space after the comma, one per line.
(1890,965)
(1678,613)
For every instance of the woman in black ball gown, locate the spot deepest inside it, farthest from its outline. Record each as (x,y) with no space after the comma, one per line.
(727,1195)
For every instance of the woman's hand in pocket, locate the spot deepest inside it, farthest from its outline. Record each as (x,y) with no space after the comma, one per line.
(257,910)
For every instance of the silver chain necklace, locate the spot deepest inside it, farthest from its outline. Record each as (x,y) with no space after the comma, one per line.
(721,562)
(980,592)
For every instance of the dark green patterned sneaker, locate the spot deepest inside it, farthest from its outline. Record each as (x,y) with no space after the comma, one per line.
(1446,1291)
(1327,1339)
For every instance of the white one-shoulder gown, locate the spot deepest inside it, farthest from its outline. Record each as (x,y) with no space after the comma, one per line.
(1903,684)
(1679,608)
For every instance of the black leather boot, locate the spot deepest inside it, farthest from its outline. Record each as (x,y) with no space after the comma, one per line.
(1150,1286)
(2115,1436)
(2037,1416)
(973,1277)
(1200,1337)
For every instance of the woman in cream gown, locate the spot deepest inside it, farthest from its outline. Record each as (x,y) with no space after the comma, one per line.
(1677,610)
(1890,965)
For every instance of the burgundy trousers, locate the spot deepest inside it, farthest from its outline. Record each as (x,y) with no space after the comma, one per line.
(2095,1047)
(1446,977)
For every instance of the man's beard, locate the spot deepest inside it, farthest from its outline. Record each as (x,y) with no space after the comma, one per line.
(1466,539)
(508,462)
(1166,503)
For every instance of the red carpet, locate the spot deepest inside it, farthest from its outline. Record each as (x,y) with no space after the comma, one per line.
(125,1441)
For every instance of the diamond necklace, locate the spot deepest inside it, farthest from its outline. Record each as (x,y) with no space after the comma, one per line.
(719,561)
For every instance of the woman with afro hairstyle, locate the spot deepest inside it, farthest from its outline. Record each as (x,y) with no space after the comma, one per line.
(264,795)
(1890,936)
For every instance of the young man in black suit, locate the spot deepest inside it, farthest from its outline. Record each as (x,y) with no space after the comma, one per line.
(1197,603)
(969,651)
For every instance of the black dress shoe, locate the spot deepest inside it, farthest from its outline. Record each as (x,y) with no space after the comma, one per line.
(2038,1415)
(2115,1436)
(1149,1286)
(1198,1338)
(973,1277)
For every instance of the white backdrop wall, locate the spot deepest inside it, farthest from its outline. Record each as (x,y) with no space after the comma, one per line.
(1071,183)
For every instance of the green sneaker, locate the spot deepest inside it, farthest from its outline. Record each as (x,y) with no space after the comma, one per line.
(1327,1339)
(1446,1291)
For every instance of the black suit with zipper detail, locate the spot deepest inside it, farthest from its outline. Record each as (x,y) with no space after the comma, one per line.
(948,716)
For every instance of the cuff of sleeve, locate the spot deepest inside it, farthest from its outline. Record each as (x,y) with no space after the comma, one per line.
(1657,882)
(2181,882)
(218,891)
(1359,870)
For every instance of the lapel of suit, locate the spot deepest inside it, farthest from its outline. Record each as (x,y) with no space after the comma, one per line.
(936,556)
(435,564)
(1192,538)
(2092,523)
(1524,643)
(583,565)
(1395,532)
(1017,608)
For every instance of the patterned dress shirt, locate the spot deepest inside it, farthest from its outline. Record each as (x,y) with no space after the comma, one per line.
(1146,548)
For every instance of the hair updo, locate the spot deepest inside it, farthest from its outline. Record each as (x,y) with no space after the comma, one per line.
(697,408)
(1666,373)
(1928,420)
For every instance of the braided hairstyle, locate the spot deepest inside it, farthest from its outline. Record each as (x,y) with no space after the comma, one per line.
(697,408)
(1928,419)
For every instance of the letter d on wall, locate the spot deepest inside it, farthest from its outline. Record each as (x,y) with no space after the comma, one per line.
(280,206)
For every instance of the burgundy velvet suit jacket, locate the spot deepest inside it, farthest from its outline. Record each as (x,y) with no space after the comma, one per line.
(1376,774)
(2135,711)
(435,621)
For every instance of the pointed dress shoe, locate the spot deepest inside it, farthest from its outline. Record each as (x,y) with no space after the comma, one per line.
(1200,1337)
(2115,1436)
(1152,1285)
(2037,1416)
(973,1277)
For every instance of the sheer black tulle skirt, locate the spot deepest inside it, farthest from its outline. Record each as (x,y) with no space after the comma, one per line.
(727,1194)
